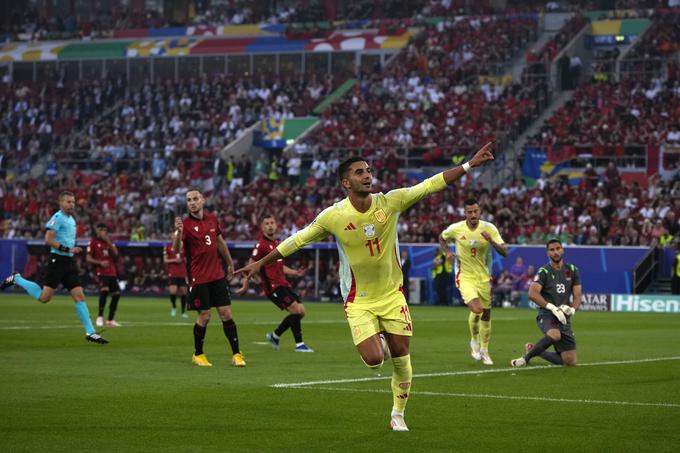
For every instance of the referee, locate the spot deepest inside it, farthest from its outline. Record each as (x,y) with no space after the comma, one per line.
(61,237)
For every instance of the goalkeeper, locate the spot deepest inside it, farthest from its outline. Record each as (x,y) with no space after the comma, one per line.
(552,289)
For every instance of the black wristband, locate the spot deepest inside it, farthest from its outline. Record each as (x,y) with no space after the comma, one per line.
(63,248)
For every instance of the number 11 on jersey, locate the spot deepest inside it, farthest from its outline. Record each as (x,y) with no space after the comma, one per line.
(373,246)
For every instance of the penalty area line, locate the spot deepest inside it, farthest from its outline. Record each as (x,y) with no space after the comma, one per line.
(501,397)
(468,372)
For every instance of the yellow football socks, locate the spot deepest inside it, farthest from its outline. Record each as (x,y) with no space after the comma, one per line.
(473,322)
(401,382)
(485,334)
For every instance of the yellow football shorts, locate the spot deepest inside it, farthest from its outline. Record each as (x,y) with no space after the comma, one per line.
(390,315)
(476,290)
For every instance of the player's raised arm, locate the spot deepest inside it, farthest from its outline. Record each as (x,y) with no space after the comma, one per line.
(405,197)
(482,156)
(112,247)
(177,238)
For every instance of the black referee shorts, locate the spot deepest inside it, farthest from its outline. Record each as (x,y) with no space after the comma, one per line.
(61,269)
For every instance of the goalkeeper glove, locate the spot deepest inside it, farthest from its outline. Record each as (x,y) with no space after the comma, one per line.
(567,310)
(559,314)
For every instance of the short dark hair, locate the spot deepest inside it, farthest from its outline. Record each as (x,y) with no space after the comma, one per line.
(552,241)
(195,189)
(66,193)
(344,166)
(470,202)
(266,216)
(102,225)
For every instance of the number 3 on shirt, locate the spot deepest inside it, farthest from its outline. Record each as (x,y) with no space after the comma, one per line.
(371,244)
(473,252)
(207,240)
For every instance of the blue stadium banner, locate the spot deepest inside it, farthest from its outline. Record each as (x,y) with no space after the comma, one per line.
(531,167)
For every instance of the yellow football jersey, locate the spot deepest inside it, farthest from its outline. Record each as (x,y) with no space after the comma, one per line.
(473,252)
(367,242)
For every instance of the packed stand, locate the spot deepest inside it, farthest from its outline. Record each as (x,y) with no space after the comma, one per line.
(612,118)
(37,118)
(660,41)
(425,100)
(31,24)
(601,210)
(304,17)
(159,123)
(553,47)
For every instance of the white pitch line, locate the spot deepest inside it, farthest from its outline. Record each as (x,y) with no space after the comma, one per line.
(503,397)
(460,373)
(71,326)
(186,322)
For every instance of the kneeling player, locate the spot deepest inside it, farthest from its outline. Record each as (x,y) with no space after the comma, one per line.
(277,288)
(553,286)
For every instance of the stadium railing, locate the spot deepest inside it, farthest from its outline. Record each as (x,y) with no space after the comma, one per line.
(139,70)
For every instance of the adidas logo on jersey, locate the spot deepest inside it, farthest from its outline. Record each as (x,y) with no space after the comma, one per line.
(350,227)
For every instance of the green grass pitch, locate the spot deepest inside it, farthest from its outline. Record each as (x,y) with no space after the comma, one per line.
(141,392)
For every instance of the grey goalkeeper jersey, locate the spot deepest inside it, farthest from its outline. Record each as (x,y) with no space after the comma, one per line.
(557,285)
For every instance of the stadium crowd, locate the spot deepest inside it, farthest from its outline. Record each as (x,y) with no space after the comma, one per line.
(610,118)
(159,123)
(601,210)
(33,24)
(441,97)
(304,16)
(36,118)
(662,38)
(433,98)
(553,47)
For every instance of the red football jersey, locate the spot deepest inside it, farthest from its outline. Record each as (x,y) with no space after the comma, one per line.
(175,270)
(204,262)
(272,274)
(100,251)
